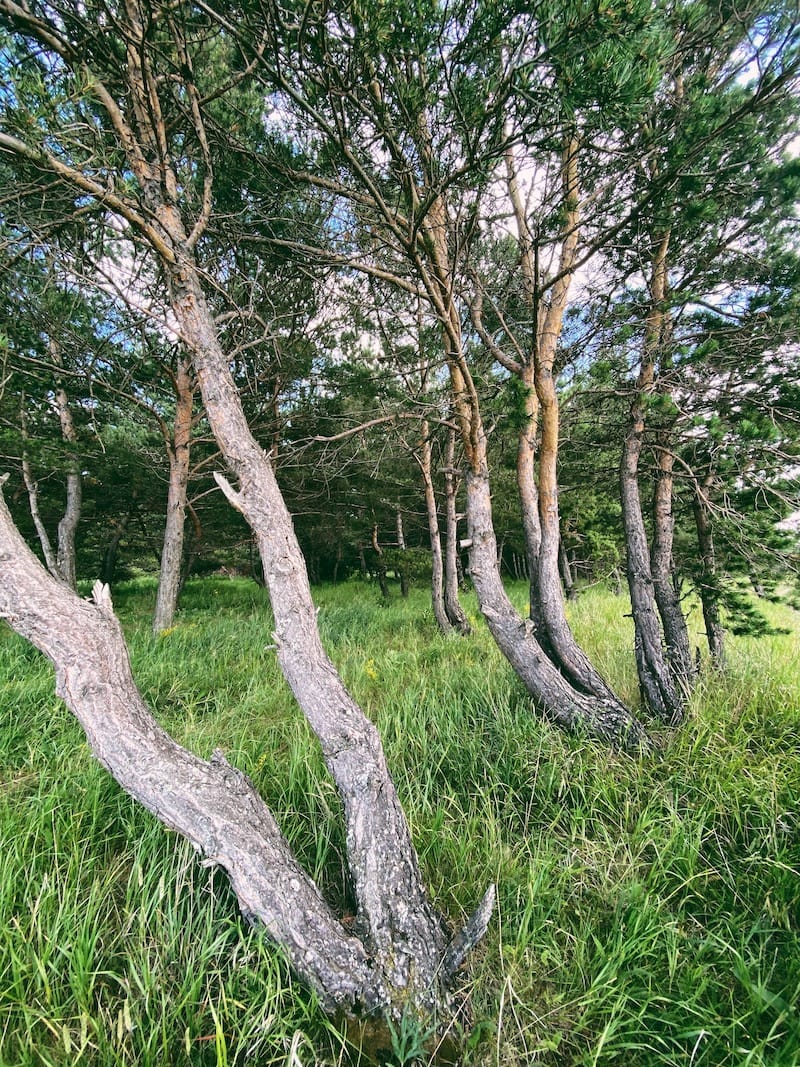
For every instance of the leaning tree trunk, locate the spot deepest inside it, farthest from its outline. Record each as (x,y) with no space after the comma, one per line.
(179,450)
(437,564)
(452,603)
(708,586)
(668,602)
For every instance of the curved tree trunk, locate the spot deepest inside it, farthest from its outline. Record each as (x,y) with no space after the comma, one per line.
(598,715)
(169,581)
(607,720)
(555,633)
(437,564)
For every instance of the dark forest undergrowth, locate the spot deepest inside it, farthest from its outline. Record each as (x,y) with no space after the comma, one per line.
(648,912)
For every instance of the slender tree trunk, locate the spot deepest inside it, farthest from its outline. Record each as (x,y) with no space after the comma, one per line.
(401,548)
(708,587)
(108,567)
(179,448)
(453,607)
(68,526)
(380,565)
(676,633)
(554,631)
(565,568)
(33,503)
(659,690)
(437,565)
(529,493)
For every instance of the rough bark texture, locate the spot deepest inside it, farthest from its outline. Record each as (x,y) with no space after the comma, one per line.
(209,802)
(402,931)
(437,563)
(577,712)
(708,585)
(179,451)
(397,963)
(676,633)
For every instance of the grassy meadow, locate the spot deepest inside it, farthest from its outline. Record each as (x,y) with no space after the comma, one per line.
(648,911)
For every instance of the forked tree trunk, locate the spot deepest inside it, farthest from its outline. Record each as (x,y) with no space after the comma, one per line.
(668,602)
(403,935)
(437,563)
(452,603)
(211,803)
(68,526)
(178,449)
(708,586)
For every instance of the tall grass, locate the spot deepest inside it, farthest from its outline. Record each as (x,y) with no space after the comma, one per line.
(647,911)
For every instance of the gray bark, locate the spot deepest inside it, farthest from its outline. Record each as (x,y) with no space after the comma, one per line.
(607,720)
(655,679)
(209,802)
